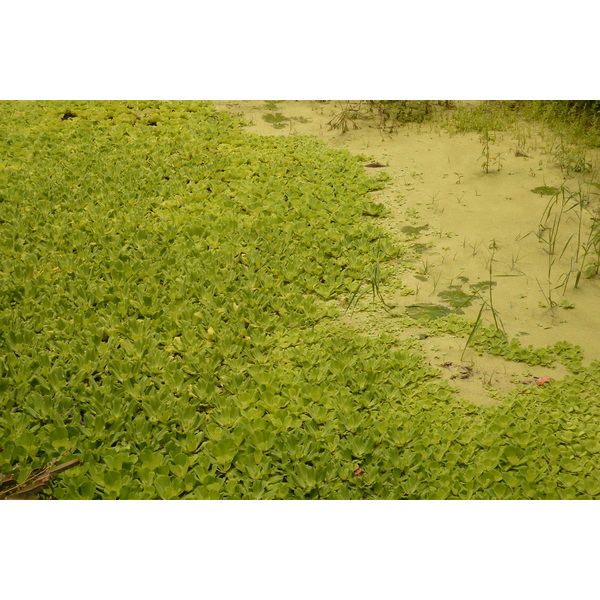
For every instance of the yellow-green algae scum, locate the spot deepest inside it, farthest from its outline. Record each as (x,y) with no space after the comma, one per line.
(169,316)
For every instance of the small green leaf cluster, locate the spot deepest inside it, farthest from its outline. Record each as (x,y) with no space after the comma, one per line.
(496,342)
(277,120)
(545,190)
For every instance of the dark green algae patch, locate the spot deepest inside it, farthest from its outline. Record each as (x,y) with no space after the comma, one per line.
(545,190)
(163,322)
(427,311)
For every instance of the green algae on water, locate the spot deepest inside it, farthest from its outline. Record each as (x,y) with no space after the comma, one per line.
(456,298)
(427,312)
(545,190)
(277,120)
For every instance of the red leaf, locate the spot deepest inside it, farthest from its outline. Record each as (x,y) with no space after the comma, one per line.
(358,472)
(542,380)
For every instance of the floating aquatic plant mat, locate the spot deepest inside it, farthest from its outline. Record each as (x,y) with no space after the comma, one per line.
(167,328)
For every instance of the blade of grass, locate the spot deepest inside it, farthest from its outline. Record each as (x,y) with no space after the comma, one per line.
(474,329)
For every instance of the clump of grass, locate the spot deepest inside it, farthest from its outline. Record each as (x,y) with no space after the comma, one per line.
(486,303)
(486,115)
(591,247)
(390,114)
(548,234)
(374,280)
(572,158)
(485,140)
(350,111)
(577,120)
(394,113)
(586,256)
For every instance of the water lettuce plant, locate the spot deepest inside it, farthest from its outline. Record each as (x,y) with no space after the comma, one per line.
(166,327)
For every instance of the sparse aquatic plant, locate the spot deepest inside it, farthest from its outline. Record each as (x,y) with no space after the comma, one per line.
(571,158)
(461,197)
(486,303)
(350,111)
(433,197)
(374,280)
(522,139)
(474,329)
(436,281)
(514,259)
(576,120)
(493,248)
(474,246)
(425,266)
(591,248)
(485,140)
(390,114)
(479,117)
(549,235)
(394,113)
(563,201)
(499,160)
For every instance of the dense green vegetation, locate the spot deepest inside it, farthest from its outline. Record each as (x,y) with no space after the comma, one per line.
(577,120)
(571,122)
(164,319)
